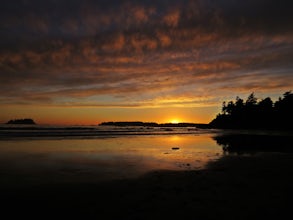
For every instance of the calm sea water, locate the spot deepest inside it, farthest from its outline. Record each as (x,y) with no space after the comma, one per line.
(46,154)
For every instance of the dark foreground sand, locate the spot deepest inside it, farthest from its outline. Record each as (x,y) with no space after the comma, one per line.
(235,187)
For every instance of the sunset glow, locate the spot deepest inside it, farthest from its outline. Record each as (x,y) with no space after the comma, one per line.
(174,121)
(84,62)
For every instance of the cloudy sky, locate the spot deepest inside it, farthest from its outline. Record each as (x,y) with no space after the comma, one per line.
(88,61)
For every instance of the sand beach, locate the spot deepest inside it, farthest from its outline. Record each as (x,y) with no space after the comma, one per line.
(234,187)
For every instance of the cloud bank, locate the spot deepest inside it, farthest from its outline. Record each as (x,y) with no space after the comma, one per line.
(143,53)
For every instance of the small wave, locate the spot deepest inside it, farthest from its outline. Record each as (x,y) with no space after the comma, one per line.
(11,132)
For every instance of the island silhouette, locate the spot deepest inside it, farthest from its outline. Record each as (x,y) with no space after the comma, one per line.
(153,124)
(25,121)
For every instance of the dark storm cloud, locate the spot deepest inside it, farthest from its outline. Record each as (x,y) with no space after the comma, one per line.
(32,19)
(161,49)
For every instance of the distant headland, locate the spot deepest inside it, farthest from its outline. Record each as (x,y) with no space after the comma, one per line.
(25,121)
(152,124)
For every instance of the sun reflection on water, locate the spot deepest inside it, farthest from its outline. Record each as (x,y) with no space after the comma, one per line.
(106,158)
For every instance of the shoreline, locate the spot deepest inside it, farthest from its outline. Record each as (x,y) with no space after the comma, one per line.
(86,132)
(232,187)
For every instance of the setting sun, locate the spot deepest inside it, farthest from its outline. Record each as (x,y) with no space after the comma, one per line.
(174,121)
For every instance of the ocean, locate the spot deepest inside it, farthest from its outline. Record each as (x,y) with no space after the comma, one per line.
(32,155)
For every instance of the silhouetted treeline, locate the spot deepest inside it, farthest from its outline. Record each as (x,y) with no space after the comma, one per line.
(151,124)
(254,114)
(26,121)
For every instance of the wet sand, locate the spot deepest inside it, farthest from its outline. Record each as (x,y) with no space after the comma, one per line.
(234,187)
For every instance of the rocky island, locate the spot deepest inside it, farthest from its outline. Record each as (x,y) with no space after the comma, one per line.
(26,121)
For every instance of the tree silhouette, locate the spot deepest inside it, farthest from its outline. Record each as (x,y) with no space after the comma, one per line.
(263,114)
(251,100)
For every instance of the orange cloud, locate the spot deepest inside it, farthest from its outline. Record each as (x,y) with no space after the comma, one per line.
(141,14)
(60,56)
(172,18)
(164,38)
(144,54)
(114,44)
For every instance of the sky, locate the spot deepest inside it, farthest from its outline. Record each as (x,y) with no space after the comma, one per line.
(89,61)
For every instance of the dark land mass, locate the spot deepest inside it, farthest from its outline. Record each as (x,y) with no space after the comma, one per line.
(26,121)
(153,124)
(254,185)
(254,114)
